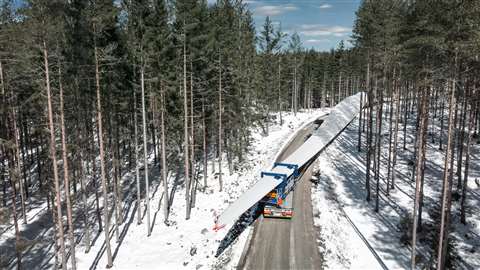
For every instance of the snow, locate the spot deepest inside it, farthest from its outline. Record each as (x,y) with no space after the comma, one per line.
(168,244)
(351,233)
(184,244)
(193,244)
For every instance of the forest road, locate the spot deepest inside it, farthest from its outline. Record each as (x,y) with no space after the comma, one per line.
(283,243)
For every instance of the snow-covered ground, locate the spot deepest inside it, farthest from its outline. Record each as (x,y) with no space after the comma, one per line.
(353,236)
(191,244)
(183,244)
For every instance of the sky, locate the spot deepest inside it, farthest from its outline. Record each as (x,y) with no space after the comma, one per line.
(321,24)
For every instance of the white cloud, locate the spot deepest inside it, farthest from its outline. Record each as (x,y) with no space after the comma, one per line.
(325,6)
(315,30)
(274,10)
(313,40)
(290,7)
(211,2)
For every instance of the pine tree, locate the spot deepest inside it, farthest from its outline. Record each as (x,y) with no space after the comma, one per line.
(53,153)
(269,45)
(446,190)
(420,167)
(164,161)
(66,177)
(295,48)
(103,15)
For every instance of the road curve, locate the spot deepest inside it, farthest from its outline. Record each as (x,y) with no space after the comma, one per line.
(287,244)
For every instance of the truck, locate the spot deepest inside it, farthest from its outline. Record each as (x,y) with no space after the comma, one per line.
(275,203)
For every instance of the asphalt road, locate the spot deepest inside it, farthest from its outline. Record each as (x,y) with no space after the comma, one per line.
(283,243)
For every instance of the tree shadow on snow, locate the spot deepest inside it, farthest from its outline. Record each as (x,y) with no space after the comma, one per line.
(36,239)
(350,167)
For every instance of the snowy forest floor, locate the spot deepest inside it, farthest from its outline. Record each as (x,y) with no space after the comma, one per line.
(353,236)
(184,244)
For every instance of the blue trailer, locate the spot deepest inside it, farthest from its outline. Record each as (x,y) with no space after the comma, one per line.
(275,203)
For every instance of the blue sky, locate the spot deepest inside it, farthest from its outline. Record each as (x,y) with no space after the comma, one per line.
(321,24)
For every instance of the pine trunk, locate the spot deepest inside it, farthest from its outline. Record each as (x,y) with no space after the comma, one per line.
(17,158)
(53,152)
(185,128)
(420,168)
(378,149)
(95,186)
(393,94)
(220,108)
(405,116)
(103,172)
(461,140)
(369,142)
(145,149)
(87,238)
(164,159)
(295,88)
(324,90)
(205,154)
(66,178)
(192,143)
(359,147)
(339,91)
(113,161)
(280,90)
(447,187)
(137,167)
(442,121)
(395,137)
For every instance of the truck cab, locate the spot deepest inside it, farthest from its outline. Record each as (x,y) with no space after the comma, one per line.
(275,203)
